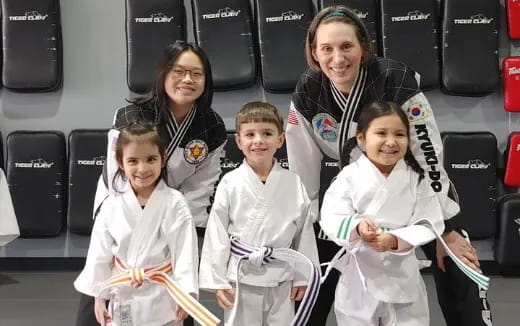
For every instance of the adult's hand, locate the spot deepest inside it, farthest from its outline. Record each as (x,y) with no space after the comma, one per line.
(460,247)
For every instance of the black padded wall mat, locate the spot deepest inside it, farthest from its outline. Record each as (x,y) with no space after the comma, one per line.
(507,240)
(150,26)
(232,157)
(36,174)
(32,46)
(282,27)
(470,159)
(223,28)
(470,47)
(87,152)
(409,30)
(364,9)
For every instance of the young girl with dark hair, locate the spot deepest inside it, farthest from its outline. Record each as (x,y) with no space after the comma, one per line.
(379,208)
(143,255)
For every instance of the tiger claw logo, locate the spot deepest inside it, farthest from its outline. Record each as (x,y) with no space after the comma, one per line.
(478,19)
(476,164)
(98,160)
(29,15)
(284,163)
(411,16)
(154,18)
(285,16)
(222,13)
(38,163)
(226,163)
(360,14)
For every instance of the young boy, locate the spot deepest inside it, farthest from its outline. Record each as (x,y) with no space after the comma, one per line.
(258,206)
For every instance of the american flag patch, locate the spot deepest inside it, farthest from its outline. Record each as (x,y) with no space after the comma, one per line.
(292,118)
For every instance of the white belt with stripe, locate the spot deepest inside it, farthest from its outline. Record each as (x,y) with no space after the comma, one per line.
(265,255)
(345,228)
(159,275)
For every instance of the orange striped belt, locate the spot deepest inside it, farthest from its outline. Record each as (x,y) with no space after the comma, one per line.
(159,275)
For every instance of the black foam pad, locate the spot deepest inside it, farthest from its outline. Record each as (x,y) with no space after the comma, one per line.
(470,159)
(150,26)
(409,34)
(507,240)
(32,47)
(282,27)
(470,47)
(223,28)
(364,9)
(87,151)
(232,155)
(36,174)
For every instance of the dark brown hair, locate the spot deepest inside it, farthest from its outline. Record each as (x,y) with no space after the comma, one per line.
(259,112)
(373,111)
(140,132)
(157,98)
(339,14)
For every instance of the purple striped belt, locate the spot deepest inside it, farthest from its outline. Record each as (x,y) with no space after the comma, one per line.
(265,255)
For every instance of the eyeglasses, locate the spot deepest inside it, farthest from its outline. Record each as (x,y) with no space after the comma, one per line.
(179,73)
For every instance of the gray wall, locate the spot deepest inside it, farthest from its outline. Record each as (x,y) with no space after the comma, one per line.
(95,82)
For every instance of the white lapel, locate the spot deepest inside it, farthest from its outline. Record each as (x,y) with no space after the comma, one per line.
(264,195)
(386,186)
(147,222)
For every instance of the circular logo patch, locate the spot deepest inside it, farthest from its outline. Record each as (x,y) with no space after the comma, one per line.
(325,125)
(195,151)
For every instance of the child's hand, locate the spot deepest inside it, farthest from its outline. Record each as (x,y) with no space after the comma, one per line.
(297,292)
(180,314)
(367,230)
(225,298)
(384,242)
(101,317)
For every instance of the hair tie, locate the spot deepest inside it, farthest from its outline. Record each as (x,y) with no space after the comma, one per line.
(336,13)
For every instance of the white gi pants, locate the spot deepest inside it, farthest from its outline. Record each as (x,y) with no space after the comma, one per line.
(263,306)
(355,307)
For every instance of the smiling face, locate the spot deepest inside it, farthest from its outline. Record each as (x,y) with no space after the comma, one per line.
(338,53)
(184,83)
(385,142)
(259,141)
(141,162)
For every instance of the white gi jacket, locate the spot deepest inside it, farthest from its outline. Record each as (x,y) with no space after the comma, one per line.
(397,203)
(8,224)
(275,215)
(161,232)
(320,117)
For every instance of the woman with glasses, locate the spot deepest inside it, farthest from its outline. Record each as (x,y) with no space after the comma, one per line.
(180,104)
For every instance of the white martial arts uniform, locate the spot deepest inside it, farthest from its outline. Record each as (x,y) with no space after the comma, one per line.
(276,214)
(8,225)
(380,288)
(162,232)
